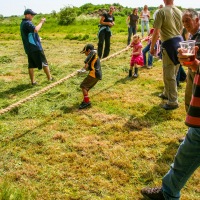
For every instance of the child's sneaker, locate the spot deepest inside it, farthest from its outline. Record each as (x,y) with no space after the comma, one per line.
(84,105)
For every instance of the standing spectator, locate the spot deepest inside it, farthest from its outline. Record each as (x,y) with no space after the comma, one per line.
(145,16)
(168,26)
(187,158)
(136,56)
(147,48)
(154,14)
(132,23)
(92,63)
(104,34)
(32,45)
(190,21)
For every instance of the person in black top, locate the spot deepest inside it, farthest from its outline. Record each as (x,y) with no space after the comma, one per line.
(104,34)
(132,22)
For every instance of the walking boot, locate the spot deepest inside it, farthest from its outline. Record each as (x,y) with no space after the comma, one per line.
(130,73)
(135,73)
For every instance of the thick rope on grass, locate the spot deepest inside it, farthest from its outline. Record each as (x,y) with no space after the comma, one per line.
(45,89)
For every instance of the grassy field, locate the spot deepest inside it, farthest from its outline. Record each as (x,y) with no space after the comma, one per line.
(52,150)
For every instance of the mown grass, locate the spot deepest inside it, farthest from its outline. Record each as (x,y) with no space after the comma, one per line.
(52,150)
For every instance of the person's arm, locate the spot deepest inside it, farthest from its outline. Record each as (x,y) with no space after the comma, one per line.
(39,26)
(141,14)
(154,38)
(127,20)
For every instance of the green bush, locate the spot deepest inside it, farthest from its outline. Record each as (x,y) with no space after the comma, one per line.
(67,16)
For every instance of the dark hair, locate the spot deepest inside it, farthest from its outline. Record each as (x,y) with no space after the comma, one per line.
(193,13)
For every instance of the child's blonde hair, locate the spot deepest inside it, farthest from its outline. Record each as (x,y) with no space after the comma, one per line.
(136,36)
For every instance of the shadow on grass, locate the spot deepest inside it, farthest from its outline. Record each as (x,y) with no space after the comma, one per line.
(15,90)
(71,109)
(162,165)
(152,117)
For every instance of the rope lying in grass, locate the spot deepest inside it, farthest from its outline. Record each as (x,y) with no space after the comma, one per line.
(7,109)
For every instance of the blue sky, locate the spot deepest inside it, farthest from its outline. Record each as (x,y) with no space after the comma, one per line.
(16,7)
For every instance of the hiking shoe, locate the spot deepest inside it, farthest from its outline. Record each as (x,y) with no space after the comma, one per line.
(153,193)
(169,107)
(162,96)
(149,67)
(84,105)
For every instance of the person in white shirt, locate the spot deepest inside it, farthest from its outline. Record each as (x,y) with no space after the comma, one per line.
(145,16)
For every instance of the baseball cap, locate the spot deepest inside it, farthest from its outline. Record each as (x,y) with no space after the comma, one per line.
(29,11)
(87,47)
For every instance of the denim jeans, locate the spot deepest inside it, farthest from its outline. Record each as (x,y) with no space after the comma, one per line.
(186,161)
(131,31)
(143,24)
(150,57)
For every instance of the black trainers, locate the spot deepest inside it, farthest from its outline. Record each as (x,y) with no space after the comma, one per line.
(84,105)
(162,96)
(153,193)
(169,107)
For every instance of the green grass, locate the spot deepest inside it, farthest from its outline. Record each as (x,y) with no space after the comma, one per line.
(52,150)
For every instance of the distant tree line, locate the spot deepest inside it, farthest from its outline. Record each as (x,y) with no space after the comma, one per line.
(68,14)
